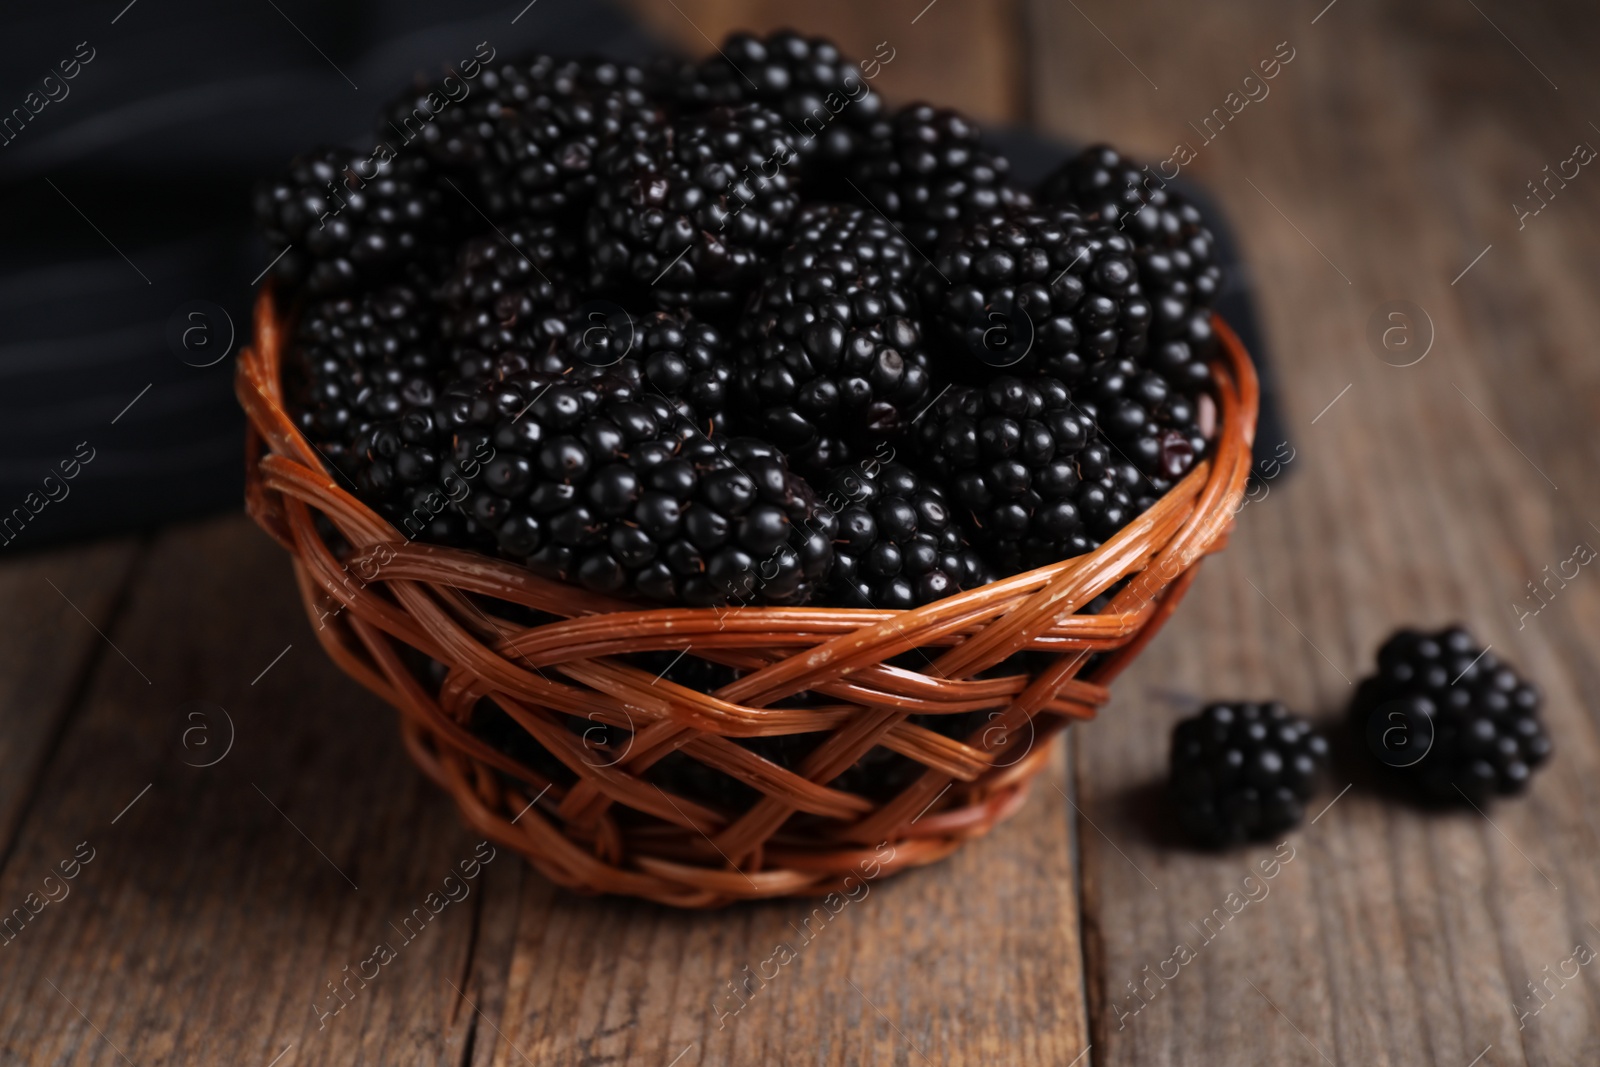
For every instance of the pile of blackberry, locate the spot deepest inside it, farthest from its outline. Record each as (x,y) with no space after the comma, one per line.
(722,332)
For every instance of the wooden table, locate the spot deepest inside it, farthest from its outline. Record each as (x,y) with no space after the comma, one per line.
(221,901)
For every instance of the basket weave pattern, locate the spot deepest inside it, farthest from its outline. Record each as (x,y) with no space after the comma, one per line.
(605,827)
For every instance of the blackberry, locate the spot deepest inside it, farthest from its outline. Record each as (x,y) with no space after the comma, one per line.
(1449,717)
(508,292)
(926,170)
(669,352)
(1152,425)
(1243,771)
(362,362)
(1014,456)
(833,354)
(820,94)
(898,546)
(1176,252)
(526,139)
(348,221)
(1066,288)
(597,481)
(689,213)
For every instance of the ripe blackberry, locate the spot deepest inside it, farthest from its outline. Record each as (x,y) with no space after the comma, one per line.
(508,292)
(820,94)
(1014,456)
(1151,424)
(1446,715)
(361,362)
(526,139)
(1243,771)
(349,221)
(672,353)
(926,170)
(897,546)
(1176,253)
(689,213)
(597,481)
(1066,288)
(833,356)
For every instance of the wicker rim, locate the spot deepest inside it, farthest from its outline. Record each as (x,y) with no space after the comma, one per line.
(683,852)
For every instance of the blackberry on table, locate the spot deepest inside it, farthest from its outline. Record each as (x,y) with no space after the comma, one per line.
(687,215)
(926,170)
(1070,285)
(833,355)
(1243,771)
(602,483)
(1483,718)
(1176,253)
(526,139)
(1015,455)
(349,221)
(897,545)
(819,93)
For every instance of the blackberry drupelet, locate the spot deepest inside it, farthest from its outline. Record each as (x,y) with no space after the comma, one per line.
(348,221)
(1487,737)
(1015,456)
(833,357)
(1243,771)
(898,545)
(926,170)
(507,294)
(687,214)
(1176,252)
(820,94)
(1073,285)
(526,139)
(600,482)
(361,363)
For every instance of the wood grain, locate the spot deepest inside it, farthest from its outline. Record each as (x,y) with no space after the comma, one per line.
(54,603)
(219,905)
(1379,166)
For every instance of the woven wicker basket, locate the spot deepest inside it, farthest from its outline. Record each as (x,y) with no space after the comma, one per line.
(590,818)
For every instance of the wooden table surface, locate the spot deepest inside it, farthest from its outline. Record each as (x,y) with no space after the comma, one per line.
(226,890)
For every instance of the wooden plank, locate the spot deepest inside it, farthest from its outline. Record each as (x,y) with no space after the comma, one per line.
(973,961)
(220,900)
(55,602)
(953,54)
(1380,164)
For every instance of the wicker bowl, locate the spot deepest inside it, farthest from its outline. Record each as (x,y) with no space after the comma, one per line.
(431,630)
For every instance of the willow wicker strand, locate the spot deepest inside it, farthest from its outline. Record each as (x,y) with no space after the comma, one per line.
(606,827)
